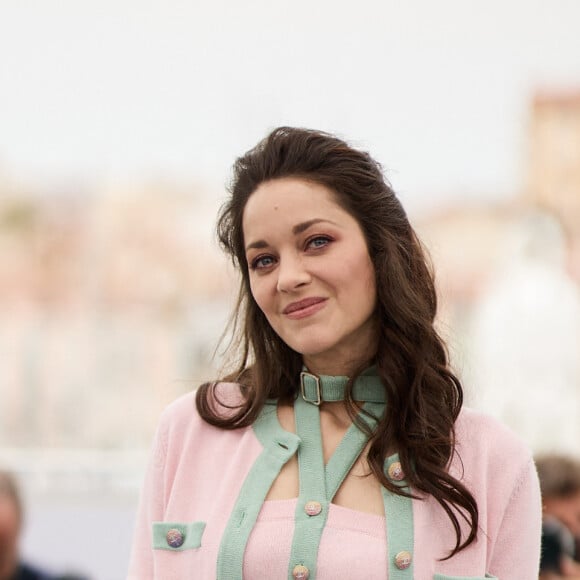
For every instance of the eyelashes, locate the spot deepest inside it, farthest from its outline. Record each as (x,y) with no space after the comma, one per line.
(261,262)
(312,244)
(317,242)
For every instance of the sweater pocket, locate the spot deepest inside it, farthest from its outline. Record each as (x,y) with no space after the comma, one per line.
(445,577)
(177,536)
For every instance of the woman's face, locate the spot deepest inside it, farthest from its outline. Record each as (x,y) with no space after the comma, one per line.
(311,273)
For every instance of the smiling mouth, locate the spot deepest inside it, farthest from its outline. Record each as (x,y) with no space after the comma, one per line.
(304,308)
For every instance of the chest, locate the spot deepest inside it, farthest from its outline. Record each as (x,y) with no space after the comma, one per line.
(359,490)
(321,479)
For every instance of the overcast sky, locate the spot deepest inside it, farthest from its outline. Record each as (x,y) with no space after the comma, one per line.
(438,91)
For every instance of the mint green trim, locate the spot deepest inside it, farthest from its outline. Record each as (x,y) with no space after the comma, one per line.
(400,532)
(319,482)
(319,388)
(192,533)
(348,451)
(444,577)
(269,432)
(308,529)
(279,447)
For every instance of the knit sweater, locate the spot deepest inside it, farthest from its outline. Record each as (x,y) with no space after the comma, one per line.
(202,512)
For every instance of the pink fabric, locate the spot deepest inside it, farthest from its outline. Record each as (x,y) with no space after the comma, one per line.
(196,472)
(353,544)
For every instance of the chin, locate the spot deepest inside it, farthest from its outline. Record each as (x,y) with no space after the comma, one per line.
(308,348)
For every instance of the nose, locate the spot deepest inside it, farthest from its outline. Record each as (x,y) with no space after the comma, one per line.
(292,273)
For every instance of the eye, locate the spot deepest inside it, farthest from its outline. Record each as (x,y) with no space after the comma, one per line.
(261,262)
(318,242)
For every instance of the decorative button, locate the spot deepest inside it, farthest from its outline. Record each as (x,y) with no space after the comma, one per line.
(396,471)
(403,560)
(313,508)
(301,572)
(175,538)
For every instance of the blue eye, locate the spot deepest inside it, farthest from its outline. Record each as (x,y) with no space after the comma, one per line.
(261,262)
(318,242)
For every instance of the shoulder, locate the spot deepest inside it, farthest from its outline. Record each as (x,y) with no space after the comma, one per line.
(489,450)
(480,430)
(224,398)
(181,424)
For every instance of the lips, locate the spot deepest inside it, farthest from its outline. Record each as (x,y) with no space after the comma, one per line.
(303,308)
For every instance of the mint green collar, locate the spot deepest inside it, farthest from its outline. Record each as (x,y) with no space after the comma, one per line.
(317,389)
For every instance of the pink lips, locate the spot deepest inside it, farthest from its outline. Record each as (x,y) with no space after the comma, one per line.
(304,308)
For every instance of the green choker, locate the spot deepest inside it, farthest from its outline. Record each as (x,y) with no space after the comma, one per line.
(317,389)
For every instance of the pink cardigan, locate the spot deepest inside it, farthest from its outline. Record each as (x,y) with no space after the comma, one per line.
(197,472)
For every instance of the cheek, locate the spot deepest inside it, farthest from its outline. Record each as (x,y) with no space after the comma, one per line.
(368,285)
(368,274)
(260,294)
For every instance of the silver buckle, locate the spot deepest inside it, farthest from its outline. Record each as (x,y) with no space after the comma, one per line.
(316,401)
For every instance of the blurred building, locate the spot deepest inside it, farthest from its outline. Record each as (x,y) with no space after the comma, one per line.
(509,280)
(554,163)
(110,307)
(111,302)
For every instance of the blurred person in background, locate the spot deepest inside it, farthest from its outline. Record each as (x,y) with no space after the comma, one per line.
(342,408)
(11,519)
(560,485)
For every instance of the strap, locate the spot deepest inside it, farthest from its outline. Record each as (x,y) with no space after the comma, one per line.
(308,529)
(400,528)
(319,483)
(316,389)
(349,450)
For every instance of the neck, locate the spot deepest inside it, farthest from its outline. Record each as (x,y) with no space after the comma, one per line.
(335,368)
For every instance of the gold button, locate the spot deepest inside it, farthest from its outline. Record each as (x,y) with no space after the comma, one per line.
(313,508)
(403,560)
(301,572)
(396,471)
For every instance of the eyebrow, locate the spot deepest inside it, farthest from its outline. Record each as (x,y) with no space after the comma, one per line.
(297,229)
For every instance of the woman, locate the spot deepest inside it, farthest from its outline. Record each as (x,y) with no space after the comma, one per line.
(338,448)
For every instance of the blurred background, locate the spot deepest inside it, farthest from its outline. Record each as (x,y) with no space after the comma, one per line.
(119,122)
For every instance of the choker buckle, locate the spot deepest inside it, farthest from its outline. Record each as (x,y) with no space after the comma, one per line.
(307,375)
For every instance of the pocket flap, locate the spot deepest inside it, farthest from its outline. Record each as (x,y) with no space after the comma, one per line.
(177,536)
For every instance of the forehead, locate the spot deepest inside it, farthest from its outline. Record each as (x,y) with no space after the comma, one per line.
(282,203)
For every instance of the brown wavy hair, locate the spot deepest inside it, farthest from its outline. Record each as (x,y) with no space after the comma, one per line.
(424,397)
